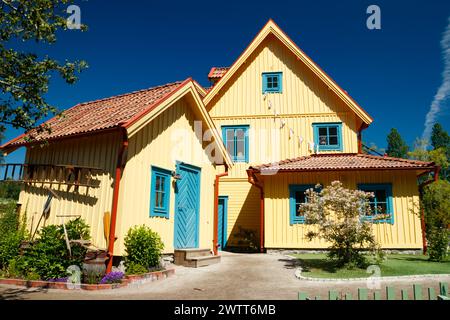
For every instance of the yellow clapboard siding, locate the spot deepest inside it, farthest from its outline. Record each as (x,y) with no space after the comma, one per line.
(98,151)
(404,233)
(243,207)
(167,139)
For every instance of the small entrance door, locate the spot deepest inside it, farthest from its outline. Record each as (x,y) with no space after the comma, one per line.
(187,205)
(222,223)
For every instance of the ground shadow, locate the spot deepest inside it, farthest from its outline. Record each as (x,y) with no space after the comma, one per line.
(19,293)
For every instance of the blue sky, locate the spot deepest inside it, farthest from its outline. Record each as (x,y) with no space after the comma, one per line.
(393,73)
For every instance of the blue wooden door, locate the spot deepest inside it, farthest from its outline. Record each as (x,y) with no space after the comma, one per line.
(222,223)
(187,205)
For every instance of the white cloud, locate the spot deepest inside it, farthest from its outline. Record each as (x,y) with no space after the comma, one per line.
(443,92)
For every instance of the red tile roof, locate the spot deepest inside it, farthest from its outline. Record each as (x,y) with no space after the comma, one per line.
(217,72)
(339,162)
(101,114)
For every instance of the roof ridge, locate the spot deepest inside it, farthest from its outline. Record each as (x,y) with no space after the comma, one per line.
(129,93)
(394,159)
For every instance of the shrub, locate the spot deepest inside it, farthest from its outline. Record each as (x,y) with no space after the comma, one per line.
(337,212)
(438,243)
(436,205)
(143,247)
(12,233)
(49,256)
(134,268)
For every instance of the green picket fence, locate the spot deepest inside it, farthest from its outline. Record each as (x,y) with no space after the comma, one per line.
(363,294)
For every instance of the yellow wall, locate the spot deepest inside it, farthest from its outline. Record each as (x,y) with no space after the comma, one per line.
(304,100)
(404,233)
(167,139)
(243,207)
(98,151)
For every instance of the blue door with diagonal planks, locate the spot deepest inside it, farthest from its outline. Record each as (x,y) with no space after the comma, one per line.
(187,205)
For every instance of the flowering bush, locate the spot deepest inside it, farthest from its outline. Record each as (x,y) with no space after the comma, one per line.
(338,213)
(112,277)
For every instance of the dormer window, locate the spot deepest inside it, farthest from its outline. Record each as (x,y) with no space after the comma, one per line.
(328,136)
(272,82)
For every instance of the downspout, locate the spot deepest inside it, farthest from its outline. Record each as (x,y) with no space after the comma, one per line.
(436,170)
(115,200)
(360,146)
(216,210)
(252,179)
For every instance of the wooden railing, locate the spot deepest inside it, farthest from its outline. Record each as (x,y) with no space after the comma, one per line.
(416,294)
(50,175)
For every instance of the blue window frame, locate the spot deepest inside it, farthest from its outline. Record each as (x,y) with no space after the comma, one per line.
(381,204)
(328,136)
(235,139)
(160,192)
(297,196)
(272,82)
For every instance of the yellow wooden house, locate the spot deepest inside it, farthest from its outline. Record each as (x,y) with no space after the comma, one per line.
(221,167)
(288,127)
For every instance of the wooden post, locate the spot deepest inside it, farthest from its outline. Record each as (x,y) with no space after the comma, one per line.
(431,294)
(332,295)
(443,289)
(377,295)
(362,294)
(390,293)
(404,294)
(417,288)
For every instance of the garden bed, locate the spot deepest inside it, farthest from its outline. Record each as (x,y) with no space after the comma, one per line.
(397,265)
(151,276)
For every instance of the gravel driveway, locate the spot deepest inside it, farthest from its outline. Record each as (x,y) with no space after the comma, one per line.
(238,276)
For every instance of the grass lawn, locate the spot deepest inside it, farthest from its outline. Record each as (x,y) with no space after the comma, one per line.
(318,266)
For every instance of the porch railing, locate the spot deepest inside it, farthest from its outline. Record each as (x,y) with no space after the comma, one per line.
(50,175)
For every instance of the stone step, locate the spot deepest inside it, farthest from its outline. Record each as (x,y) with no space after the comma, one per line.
(184,254)
(202,261)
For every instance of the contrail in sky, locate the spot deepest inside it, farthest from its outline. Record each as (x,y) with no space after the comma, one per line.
(443,92)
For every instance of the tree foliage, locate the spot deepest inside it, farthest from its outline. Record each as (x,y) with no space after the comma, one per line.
(396,146)
(24,76)
(436,206)
(440,138)
(338,214)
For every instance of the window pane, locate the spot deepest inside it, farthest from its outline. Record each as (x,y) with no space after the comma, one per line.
(157,183)
(230,147)
(300,198)
(372,208)
(240,149)
(229,134)
(323,140)
(334,140)
(332,131)
(323,132)
(380,195)
(162,183)
(240,134)
(157,200)
(275,82)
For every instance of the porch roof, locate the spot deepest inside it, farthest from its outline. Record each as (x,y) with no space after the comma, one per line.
(342,162)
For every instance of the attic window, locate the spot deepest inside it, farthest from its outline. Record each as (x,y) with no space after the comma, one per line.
(272,82)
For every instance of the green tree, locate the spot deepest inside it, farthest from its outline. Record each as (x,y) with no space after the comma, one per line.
(440,138)
(24,76)
(436,205)
(438,156)
(396,146)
